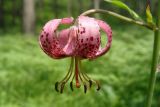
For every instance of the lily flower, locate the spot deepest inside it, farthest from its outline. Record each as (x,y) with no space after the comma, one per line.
(81,41)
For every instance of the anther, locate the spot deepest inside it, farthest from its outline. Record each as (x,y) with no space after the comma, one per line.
(71,85)
(98,86)
(62,87)
(90,83)
(85,88)
(56,86)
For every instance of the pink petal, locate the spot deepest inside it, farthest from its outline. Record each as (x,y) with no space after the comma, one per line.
(88,37)
(107,29)
(48,39)
(67,20)
(69,48)
(63,37)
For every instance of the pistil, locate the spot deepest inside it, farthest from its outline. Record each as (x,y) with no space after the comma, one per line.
(79,76)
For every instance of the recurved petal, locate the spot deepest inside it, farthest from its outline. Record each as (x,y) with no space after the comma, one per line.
(107,29)
(48,39)
(67,20)
(88,36)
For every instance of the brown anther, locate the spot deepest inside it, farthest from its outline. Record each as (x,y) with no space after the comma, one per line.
(62,87)
(98,86)
(85,88)
(71,85)
(56,86)
(90,83)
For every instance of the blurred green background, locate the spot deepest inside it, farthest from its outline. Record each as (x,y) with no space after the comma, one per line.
(27,75)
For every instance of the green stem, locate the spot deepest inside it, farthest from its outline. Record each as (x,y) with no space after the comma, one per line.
(156,49)
(124,18)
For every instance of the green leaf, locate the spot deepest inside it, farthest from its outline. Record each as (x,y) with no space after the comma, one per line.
(124,6)
(149,14)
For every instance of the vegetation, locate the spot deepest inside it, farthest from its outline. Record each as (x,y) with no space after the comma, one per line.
(27,75)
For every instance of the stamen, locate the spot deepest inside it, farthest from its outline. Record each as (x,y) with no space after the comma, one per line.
(98,88)
(69,72)
(65,79)
(56,86)
(84,78)
(62,87)
(85,88)
(73,77)
(76,73)
(71,85)
(85,75)
(90,83)
(83,81)
(82,72)
(88,79)
(81,78)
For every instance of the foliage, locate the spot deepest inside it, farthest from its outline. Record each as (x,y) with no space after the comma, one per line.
(49,9)
(27,78)
(27,75)
(122,5)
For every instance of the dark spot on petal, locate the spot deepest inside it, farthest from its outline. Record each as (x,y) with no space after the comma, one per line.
(81,40)
(90,49)
(43,45)
(47,39)
(97,47)
(41,36)
(91,38)
(97,39)
(47,34)
(87,39)
(84,30)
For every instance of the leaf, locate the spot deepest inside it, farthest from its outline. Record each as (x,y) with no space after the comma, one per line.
(124,6)
(148,13)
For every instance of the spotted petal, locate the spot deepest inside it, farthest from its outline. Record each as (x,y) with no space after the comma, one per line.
(49,41)
(88,37)
(107,29)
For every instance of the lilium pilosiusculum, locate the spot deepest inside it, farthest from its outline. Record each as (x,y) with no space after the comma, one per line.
(81,41)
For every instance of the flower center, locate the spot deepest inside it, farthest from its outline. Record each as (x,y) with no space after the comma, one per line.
(80,77)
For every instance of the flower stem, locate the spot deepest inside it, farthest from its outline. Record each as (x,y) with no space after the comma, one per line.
(124,18)
(156,49)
